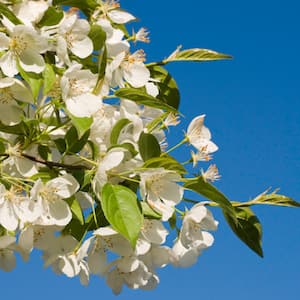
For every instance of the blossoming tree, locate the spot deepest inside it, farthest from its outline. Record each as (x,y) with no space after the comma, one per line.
(85,166)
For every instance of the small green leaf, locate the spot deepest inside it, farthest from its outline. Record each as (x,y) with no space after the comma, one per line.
(9,14)
(121,209)
(76,209)
(148,146)
(247,227)
(168,90)
(167,162)
(82,125)
(141,97)
(49,79)
(204,188)
(197,55)
(52,16)
(275,199)
(98,36)
(148,212)
(87,6)
(115,132)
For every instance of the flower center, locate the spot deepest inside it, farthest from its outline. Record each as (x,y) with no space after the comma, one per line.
(18,44)
(6,96)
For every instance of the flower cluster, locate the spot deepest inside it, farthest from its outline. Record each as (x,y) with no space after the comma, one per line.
(86,172)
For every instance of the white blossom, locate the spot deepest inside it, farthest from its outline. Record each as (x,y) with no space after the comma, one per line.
(25,45)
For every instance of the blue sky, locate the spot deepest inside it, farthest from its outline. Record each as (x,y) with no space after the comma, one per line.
(252,105)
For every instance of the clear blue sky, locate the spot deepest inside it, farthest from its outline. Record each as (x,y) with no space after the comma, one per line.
(253,110)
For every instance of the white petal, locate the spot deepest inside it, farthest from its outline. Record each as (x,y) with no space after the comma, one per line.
(6,240)
(26,242)
(4,41)
(21,92)
(115,281)
(7,260)
(65,185)
(8,218)
(31,61)
(59,213)
(10,114)
(120,17)
(8,64)
(97,262)
(25,166)
(83,105)
(82,48)
(137,75)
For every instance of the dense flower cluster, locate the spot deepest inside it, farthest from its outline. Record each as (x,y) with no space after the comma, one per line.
(86,172)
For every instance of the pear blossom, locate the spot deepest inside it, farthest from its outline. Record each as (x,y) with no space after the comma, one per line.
(120,17)
(199,136)
(73,35)
(159,188)
(194,226)
(16,207)
(25,45)
(77,91)
(55,211)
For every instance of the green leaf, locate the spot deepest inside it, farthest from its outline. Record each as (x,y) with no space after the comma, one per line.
(115,133)
(87,6)
(82,125)
(73,143)
(148,146)
(60,145)
(247,227)
(52,16)
(76,209)
(2,148)
(204,188)
(148,212)
(167,162)
(197,55)
(4,10)
(76,229)
(141,97)
(168,90)
(98,36)
(96,219)
(121,209)
(34,81)
(44,151)
(49,79)
(275,199)
(17,129)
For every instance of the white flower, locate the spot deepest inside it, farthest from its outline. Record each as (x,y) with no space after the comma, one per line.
(131,69)
(73,35)
(23,44)
(77,86)
(194,225)
(15,206)
(211,174)
(159,188)
(7,257)
(114,39)
(12,89)
(199,136)
(73,263)
(55,211)
(141,35)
